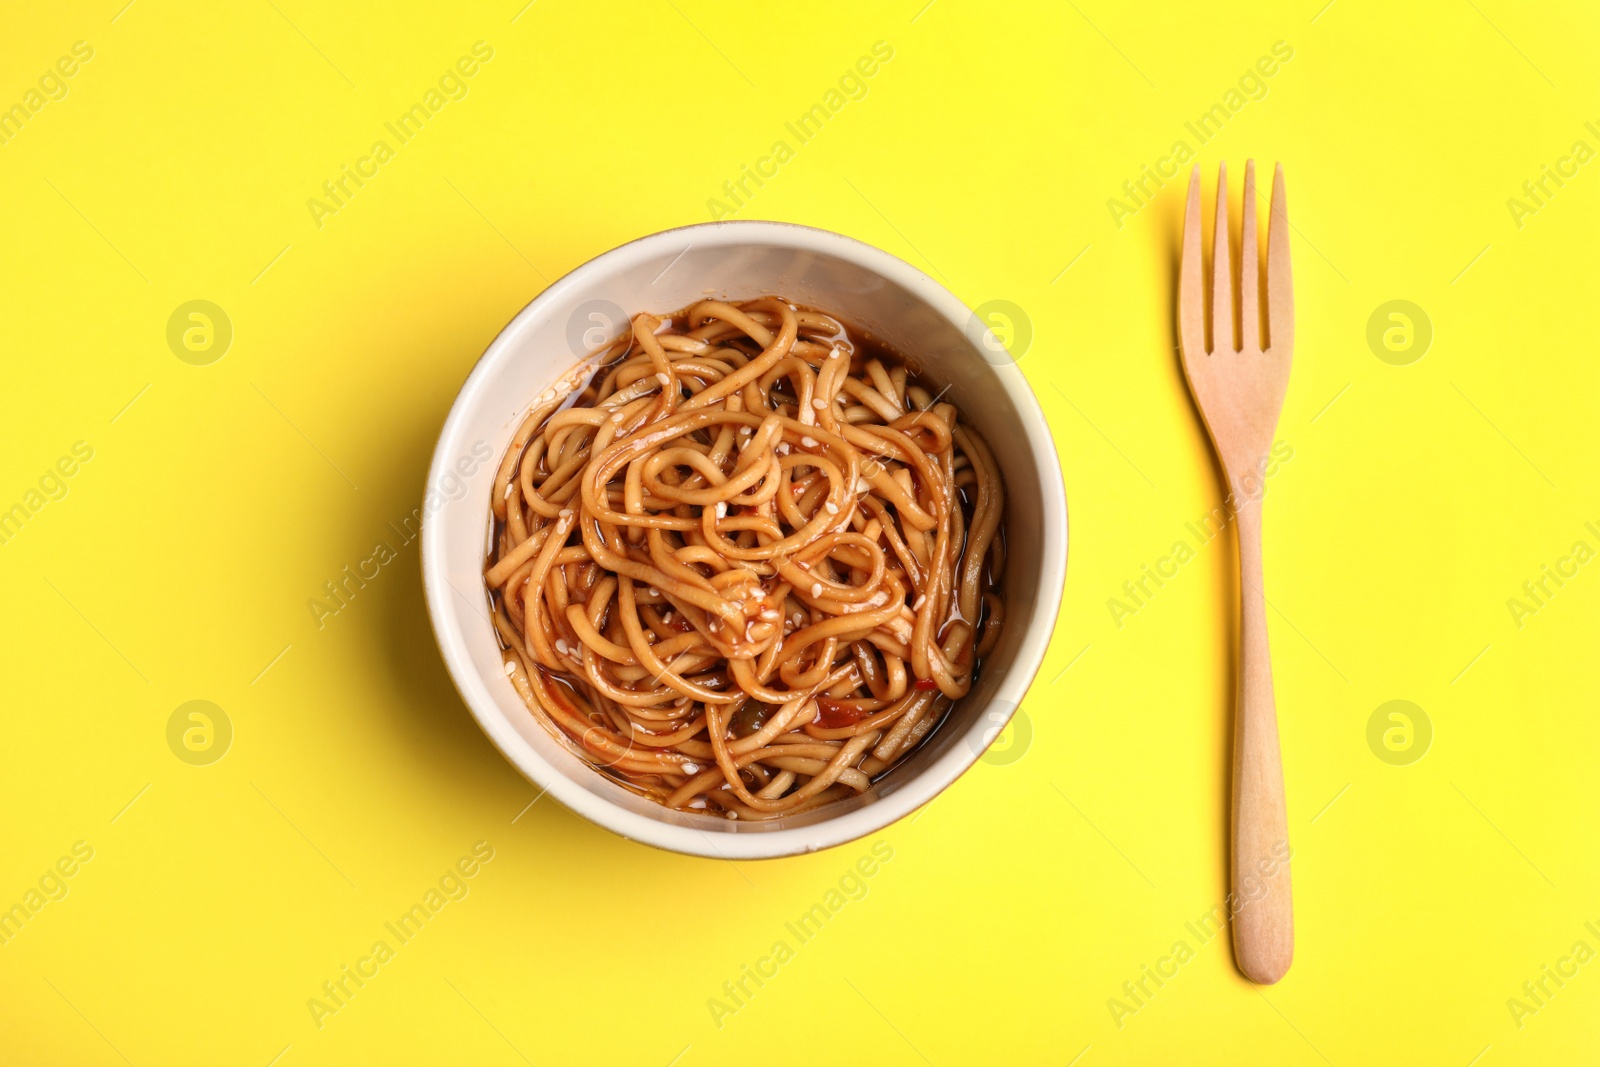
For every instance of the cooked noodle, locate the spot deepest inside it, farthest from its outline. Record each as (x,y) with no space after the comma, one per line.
(750,565)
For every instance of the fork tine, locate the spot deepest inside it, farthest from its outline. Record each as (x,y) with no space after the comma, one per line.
(1191,290)
(1249,267)
(1222,336)
(1280,280)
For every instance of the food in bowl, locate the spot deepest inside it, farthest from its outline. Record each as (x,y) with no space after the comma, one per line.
(744,559)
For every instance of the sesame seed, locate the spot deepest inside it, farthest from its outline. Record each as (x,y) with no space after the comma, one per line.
(733,815)
(819,403)
(654,591)
(863,486)
(783,450)
(698,803)
(666,620)
(809,442)
(832,508)
(566,513)
(722,509)
(816,588)
(690,768)
(662,378)
(511,667)
(561,646)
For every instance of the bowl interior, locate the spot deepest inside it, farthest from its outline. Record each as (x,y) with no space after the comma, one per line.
(667,272)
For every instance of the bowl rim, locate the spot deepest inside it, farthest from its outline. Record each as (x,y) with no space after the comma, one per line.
(920,788)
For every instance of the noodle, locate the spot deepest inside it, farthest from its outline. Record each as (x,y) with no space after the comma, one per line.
(748,563)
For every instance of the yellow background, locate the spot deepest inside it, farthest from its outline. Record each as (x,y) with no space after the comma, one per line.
(178,566)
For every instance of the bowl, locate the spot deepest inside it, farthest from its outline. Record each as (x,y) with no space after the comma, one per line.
(738,260)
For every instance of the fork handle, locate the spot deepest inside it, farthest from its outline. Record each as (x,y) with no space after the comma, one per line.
(1263,923)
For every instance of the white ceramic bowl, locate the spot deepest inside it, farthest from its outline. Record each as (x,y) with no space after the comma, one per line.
(740,260)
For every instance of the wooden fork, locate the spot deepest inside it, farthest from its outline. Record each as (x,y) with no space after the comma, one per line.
(1238,383)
